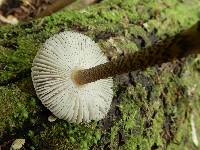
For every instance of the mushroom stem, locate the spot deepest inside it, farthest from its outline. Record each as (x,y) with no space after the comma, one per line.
(178,46)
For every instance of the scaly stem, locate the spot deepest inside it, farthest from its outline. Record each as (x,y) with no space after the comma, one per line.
(178,46)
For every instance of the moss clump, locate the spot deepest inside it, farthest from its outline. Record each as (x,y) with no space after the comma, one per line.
(157,114)
(150,110)
(15,106)
(62,135)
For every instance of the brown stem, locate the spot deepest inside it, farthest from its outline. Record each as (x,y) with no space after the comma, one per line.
(178,46)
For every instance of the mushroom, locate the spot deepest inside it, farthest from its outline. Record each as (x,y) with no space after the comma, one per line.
(73,78)
(52,74)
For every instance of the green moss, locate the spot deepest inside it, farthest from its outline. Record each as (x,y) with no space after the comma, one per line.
(18,59)
(150,111)
(138,31)
(62,135)
(179,17)
(16,107)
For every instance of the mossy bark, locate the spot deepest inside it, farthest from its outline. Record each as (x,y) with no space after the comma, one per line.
(151,109)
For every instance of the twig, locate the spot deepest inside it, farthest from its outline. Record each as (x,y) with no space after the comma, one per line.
(55,6)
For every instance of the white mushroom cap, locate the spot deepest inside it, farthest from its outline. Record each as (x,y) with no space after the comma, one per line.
(52,68)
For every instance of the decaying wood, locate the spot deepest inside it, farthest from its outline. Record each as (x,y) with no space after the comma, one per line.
(29,9)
